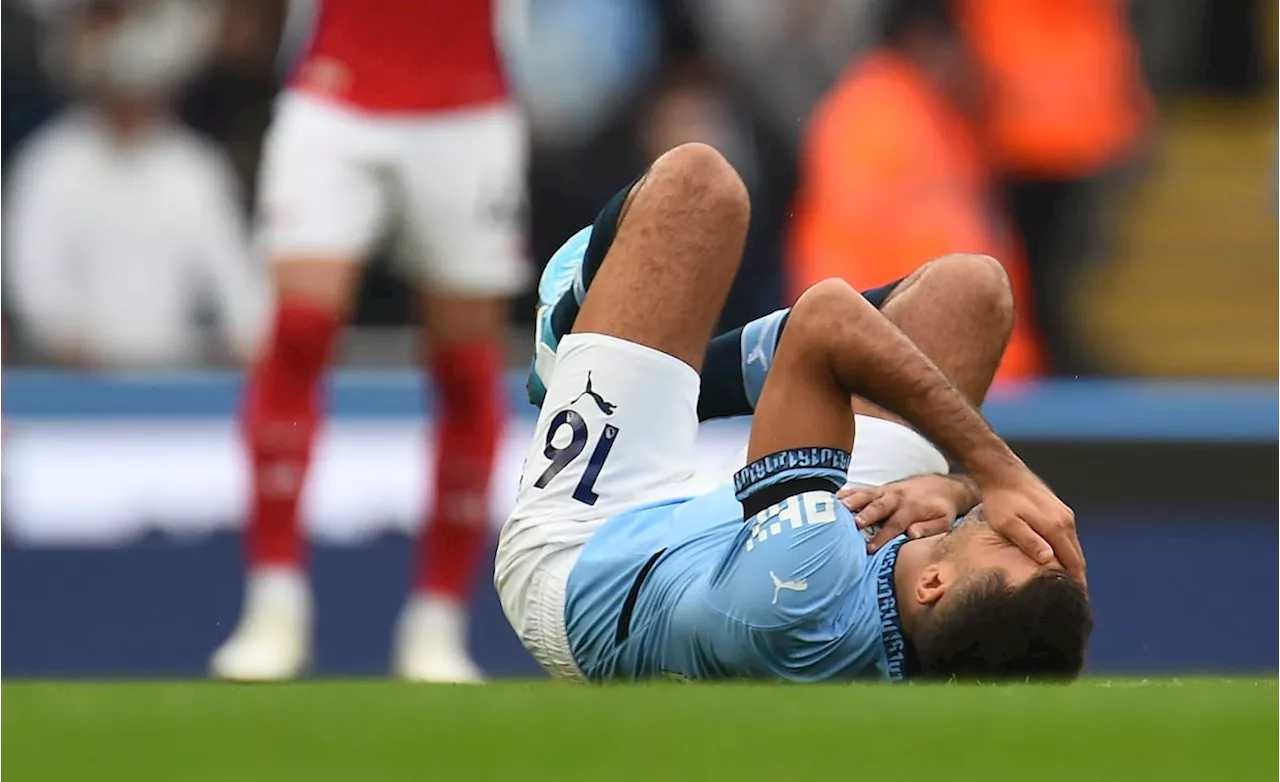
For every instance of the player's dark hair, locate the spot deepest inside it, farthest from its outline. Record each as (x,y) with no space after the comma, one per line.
(901,18)
(991,630)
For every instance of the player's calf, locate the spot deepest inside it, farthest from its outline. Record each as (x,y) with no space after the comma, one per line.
(958,309)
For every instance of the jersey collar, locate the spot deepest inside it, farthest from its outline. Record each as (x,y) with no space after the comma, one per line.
(901,663)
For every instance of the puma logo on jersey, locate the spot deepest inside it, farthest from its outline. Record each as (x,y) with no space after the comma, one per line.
(779,585)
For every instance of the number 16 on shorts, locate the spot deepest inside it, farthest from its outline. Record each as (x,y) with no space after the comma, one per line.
(563,457)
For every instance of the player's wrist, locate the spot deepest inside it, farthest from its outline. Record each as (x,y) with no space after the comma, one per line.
(995,466)
(965,492)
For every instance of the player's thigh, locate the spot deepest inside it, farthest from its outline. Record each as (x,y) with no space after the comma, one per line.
(677,249)
(320,193)
(460,182)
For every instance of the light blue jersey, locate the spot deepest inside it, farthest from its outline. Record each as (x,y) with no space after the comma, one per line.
(689,589)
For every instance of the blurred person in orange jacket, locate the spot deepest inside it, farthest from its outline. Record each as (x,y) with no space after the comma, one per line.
(893,174)
(1065,107)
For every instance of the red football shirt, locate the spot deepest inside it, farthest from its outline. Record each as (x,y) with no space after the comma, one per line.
(403,55)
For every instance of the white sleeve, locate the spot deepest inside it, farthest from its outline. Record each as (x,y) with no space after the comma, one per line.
(38,250)
(228,269)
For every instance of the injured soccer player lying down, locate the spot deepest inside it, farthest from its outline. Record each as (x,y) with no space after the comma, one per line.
(612,567)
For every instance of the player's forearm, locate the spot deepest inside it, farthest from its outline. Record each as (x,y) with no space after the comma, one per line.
(871,358)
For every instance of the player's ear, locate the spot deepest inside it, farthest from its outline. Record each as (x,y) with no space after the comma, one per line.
(931,586)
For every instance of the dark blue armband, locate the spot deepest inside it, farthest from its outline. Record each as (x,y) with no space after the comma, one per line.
(773,478)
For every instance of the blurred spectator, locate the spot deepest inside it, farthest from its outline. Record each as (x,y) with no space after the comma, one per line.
(741,75)
(122,224)
(893,173)
(29,99)
(1066,108)
(1236,48)
(579,68)
(1166,32)
(611,84)
(781,57)
(231,100)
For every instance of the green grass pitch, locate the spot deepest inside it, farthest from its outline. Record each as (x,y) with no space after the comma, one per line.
(364,731)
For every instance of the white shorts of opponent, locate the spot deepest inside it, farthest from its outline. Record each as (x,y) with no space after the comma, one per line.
(618,431)
(448,187)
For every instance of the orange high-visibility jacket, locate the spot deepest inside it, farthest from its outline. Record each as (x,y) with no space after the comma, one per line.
(1063,88)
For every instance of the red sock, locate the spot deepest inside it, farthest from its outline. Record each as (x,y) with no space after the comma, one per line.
(469,424)
(280,417)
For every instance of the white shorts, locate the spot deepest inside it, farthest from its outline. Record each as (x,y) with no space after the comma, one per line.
(448,187)
(628,442)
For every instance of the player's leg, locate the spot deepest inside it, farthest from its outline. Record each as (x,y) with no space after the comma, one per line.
(958,309)
(618,425)
(837,346)
(657,267)
(460,176)
(563,286)
(959,312)
(320,213)
(665,277)
(565,280)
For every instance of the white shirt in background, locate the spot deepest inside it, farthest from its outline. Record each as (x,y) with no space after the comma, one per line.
(110,248)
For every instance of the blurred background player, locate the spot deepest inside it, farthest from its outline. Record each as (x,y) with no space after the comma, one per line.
(123,225)
(397,117)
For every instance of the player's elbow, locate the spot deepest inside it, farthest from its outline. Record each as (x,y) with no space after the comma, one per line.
(825,310)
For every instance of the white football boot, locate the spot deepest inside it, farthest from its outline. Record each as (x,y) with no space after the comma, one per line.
(431,642)
(273,640)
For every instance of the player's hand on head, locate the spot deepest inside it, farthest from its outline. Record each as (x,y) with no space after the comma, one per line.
(919,507)
(1024,510)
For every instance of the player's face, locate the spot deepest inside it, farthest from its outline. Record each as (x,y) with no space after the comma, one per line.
(973,546)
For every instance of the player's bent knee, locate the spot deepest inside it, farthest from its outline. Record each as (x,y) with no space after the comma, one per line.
(700,172)
(982,278)
(451,318)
